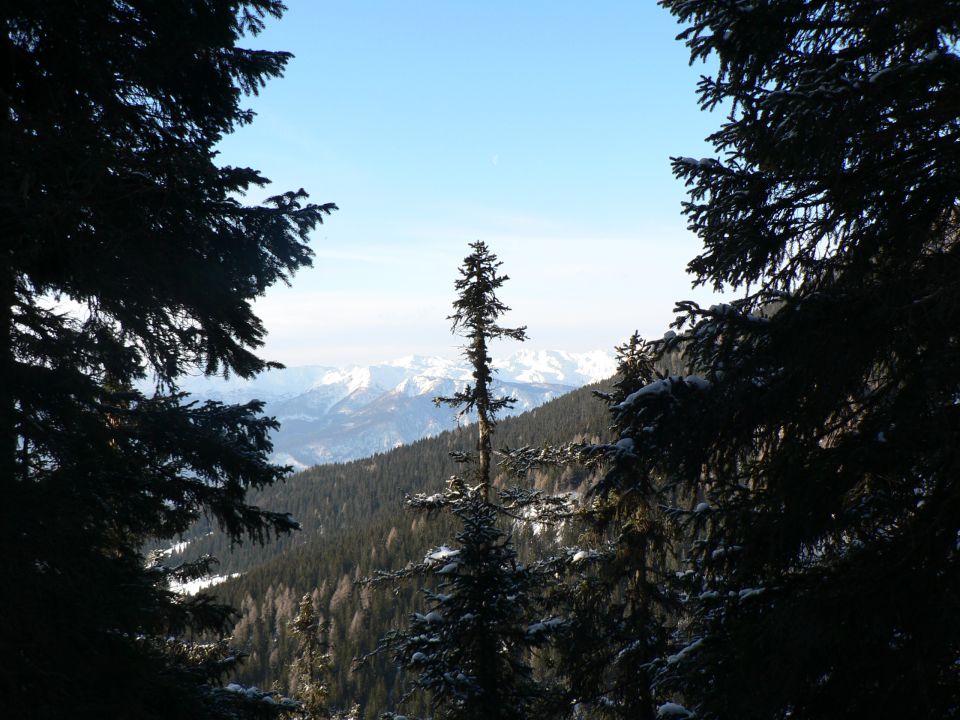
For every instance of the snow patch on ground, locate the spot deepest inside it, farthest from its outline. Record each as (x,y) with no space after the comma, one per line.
(194,586)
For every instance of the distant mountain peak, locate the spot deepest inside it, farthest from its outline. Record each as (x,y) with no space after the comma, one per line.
(556,366)
(330,414)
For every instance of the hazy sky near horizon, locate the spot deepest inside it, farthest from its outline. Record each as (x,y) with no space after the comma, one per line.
(542,128)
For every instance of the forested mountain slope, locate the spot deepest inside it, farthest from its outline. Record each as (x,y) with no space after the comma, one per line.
(354,523)
(329,498)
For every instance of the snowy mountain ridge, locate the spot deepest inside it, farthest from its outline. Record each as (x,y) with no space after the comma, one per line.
(330,414)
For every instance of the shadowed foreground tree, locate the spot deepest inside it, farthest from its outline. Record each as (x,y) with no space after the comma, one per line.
(617,595)
(125,252)
(820,419)
(623,608)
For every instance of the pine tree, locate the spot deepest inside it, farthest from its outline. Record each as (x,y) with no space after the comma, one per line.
(470,648)
(636,367)
(126,257)
(817,430)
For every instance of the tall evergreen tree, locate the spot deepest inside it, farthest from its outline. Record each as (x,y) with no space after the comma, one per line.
(470,649)
(821,427)
(113,206)
(476,310)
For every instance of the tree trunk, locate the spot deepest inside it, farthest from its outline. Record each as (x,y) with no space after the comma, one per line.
(484,426)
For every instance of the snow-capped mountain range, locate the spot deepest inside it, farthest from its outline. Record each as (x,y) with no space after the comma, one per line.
(330,414)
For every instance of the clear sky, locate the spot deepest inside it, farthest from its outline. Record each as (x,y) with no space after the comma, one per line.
(542,128)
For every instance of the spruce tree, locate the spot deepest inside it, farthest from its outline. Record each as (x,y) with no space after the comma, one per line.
(127,256)
(476,310)
(616,595)
(816,430)
(470,648)
(623,607)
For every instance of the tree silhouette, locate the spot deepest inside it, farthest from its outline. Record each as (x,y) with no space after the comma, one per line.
(815,431)
(476,311)
(469,649)
(128,260)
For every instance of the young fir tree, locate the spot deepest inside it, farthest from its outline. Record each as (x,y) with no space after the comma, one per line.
(312,663)
(470,648)
(624,608)
(616,595)
(110,199)
(820,421)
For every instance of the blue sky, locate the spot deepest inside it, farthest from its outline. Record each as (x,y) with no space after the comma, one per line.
(543,128)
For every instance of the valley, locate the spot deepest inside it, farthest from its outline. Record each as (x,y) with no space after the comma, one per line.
(354,523)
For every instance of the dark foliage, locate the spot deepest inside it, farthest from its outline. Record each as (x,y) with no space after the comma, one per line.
(125,252)
(475,314)
(615,589)
(817,427)
(353,525)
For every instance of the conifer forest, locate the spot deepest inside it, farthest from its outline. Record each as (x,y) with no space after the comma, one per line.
(756,518)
